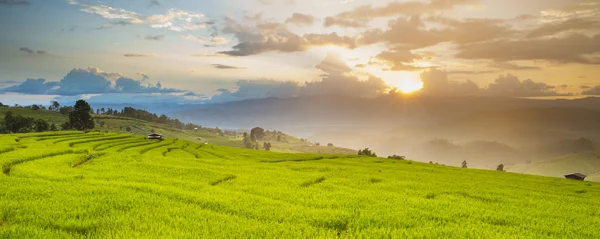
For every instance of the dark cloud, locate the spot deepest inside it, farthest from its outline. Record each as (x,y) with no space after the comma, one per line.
(400,59)
(32,51)
(436,82)
(274,37)
(511,86)
(302,20)
(574,48)
(27,49)
(155,38)
(226,67)
(86,81)
(15,2)
(360,16)
(592,91)
(585,87)
(139,55)
(154,3)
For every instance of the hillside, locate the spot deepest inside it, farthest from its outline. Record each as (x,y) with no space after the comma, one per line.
(108,123)
(109,185)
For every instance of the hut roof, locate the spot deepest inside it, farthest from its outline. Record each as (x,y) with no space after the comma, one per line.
(579,175)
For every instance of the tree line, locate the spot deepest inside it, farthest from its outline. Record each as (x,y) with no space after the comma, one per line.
(79,119)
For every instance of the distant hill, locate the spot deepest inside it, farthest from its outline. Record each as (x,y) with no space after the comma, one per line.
(109,123)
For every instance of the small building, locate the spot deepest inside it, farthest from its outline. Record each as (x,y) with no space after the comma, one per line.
(576,176)
(155,136)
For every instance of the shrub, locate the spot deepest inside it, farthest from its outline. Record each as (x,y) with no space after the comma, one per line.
(397,157)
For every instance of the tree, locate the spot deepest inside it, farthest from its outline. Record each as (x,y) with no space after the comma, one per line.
(41,125)
(318,144)
(267,146)
(500,168)
(257,133)
(97,111)
(329,145)
(53,127)
(464,164)
(65,110)
(17,123)
(67,126)
(35,107)
(80,118)
(397,157)
(367,152)
(248,143)
(102,110)
(102,123)
(278,138)
(55,104)
(128,129)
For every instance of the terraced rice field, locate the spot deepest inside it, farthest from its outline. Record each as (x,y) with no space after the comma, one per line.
(103,185)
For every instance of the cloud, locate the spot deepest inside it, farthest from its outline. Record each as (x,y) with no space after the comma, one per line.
(553,28)
(512,66)
(592,91)
(87,81)
(32,86)
(333,64)
(301,20)
(139,55)
(511,86)
(436,82)
(32,52)
(338,80)
(275,37)
(401,59)
(360,16)
(173,19)
(574,48)
(210,41)
(15,2)
(155,38)
(226,67)
(154,3)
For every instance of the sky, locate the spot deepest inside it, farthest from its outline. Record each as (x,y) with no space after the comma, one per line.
(191,51)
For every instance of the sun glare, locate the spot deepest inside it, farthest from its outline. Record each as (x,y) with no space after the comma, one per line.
(408,86)
(406,82)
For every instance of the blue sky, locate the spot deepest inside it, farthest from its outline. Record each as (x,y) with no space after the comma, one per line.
(257,48)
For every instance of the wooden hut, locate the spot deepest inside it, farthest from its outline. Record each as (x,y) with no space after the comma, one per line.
(155,136)
(576,176)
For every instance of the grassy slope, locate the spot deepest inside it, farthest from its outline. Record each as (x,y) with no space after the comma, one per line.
(587,163)
(50,116)
(140,127)
(119,186)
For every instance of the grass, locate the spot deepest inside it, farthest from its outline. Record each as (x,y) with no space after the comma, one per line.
(112,187)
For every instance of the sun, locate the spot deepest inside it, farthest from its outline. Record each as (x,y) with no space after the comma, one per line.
(408,86)
(405,82)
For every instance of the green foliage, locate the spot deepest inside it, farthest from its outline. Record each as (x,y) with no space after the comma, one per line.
(257,133)
(267,146)
(17,123)
(41,125)
(397,157)
(500,168)
(80,118)
(367,152)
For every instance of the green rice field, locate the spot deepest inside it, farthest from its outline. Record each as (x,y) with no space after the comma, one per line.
(113,185)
